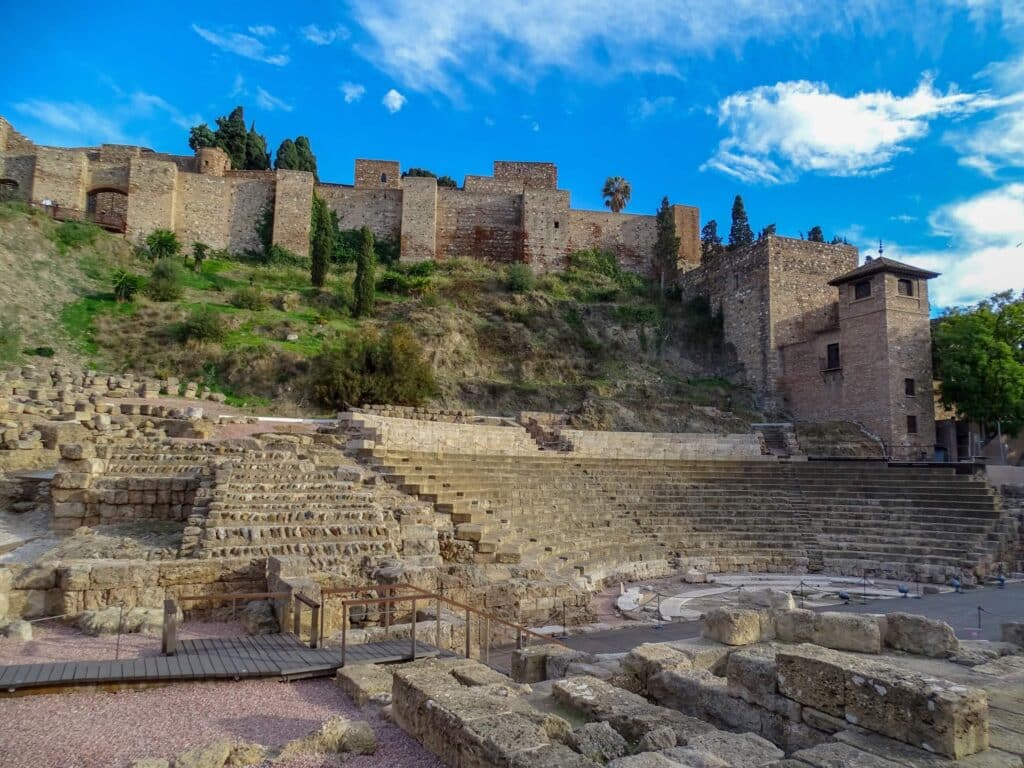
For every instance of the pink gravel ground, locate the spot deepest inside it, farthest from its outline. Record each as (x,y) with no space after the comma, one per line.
(108,730)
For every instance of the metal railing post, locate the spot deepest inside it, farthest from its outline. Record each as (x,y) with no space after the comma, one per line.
(387,613)
(169,642)
(412,632)
(344,630)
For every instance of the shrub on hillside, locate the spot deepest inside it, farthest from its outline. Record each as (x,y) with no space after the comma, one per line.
(165,282)
(74,234)
(163,244)
(249,297)
(126,285)
(368,367)
(519,278)
(203,325)
(10,338)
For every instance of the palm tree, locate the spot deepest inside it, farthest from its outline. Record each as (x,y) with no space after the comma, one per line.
(616,193)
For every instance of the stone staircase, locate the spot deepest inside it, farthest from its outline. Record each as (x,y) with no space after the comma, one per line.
(595,517)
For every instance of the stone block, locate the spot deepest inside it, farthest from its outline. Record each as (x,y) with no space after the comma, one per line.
(935,715)
(847,632)
(529,665)
(649,659)
(919,635)
(366,684)
(77,451)
(739,749)
(751,677)
(35,577)
(814,677)
(598,742)
(794,626)
(823,721)
(1013,632)
(766,598)
(732,626)
(703,653)
(838,755)
(645,760)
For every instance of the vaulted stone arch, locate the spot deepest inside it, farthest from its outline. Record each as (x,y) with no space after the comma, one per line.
(108,207)
(9,190)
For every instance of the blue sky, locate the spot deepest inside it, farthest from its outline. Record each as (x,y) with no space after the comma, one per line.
(894,119)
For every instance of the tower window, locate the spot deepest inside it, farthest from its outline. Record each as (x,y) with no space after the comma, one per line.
(556,225)
(383,178)
(909,388)
(911,425)
(832,357)
(905,287)
(862,289)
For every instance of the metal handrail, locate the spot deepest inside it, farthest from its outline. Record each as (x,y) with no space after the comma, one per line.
(113,221)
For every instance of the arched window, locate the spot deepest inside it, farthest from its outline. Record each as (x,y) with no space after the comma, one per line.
(383,178)
(8,189)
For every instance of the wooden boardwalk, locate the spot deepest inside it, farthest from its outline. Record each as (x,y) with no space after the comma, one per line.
(232,658)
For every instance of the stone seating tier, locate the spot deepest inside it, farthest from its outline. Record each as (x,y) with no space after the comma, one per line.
(563,513)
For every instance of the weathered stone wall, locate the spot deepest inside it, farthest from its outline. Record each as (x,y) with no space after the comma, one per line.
(53,589)
(60,176)
(20,169)
(479,225)
(251,195)
(378,174)
(419,218)
(628,236)
(529,175)
(151,197)
(662,445)
(108,175)
(293,201)
(546,228)
(378,209)
(203,210)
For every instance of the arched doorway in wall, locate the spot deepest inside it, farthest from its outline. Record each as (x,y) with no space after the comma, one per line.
(108,207)
(9,190)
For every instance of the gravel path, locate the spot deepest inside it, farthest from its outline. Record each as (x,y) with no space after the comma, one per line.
(109,730)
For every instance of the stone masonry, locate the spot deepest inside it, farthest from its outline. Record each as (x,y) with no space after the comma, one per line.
(516,215)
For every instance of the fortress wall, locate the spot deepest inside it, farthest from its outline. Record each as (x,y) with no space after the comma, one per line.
(12,142)
(203,213)
(378,174)
(687,221)
(629,236)
(293,201)
(662,445)
(530,175)
(419,219)
(119,154)
(492,186)
(60,175)
(250,195)
(108,175)
(546,228)
(479,225)
(378,209)
(151,197)
(21,169)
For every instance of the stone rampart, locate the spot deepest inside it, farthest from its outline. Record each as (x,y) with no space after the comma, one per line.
(662,445)
(417,435)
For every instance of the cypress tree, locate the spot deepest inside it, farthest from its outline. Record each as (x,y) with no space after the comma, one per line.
(666,246)
(710,242)
(201,136)
(256,156)
(306,158)
(815,235)
(321,244)
(365,268)
(740,234)
(287,156)
(232,137)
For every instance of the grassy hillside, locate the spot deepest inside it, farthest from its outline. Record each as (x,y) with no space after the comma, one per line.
(590,341)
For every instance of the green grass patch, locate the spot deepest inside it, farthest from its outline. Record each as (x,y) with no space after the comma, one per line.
(72,235)
(79,319)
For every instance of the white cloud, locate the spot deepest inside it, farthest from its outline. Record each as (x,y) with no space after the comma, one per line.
(903,218)
(778,131)
(79,123)
(318,36)
(352,91)
(984,252)
(238,87)
(263,30)
(535,126)
(647,108)
(393,101)
(438,46)
(242,45)
(998,143)
(269,102)
(145,104)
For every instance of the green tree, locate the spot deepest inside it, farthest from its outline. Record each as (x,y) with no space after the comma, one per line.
(126,285)
(287,157)
(256,156)
(162,244)
(768,231)
(710,242)
(307,160)
(442,181)
(979,356)
(321,242)
(815,235)
(666,246)
(616,193)
(199,253)
(740,234)
(366,263)
(201,136)
(232,137)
